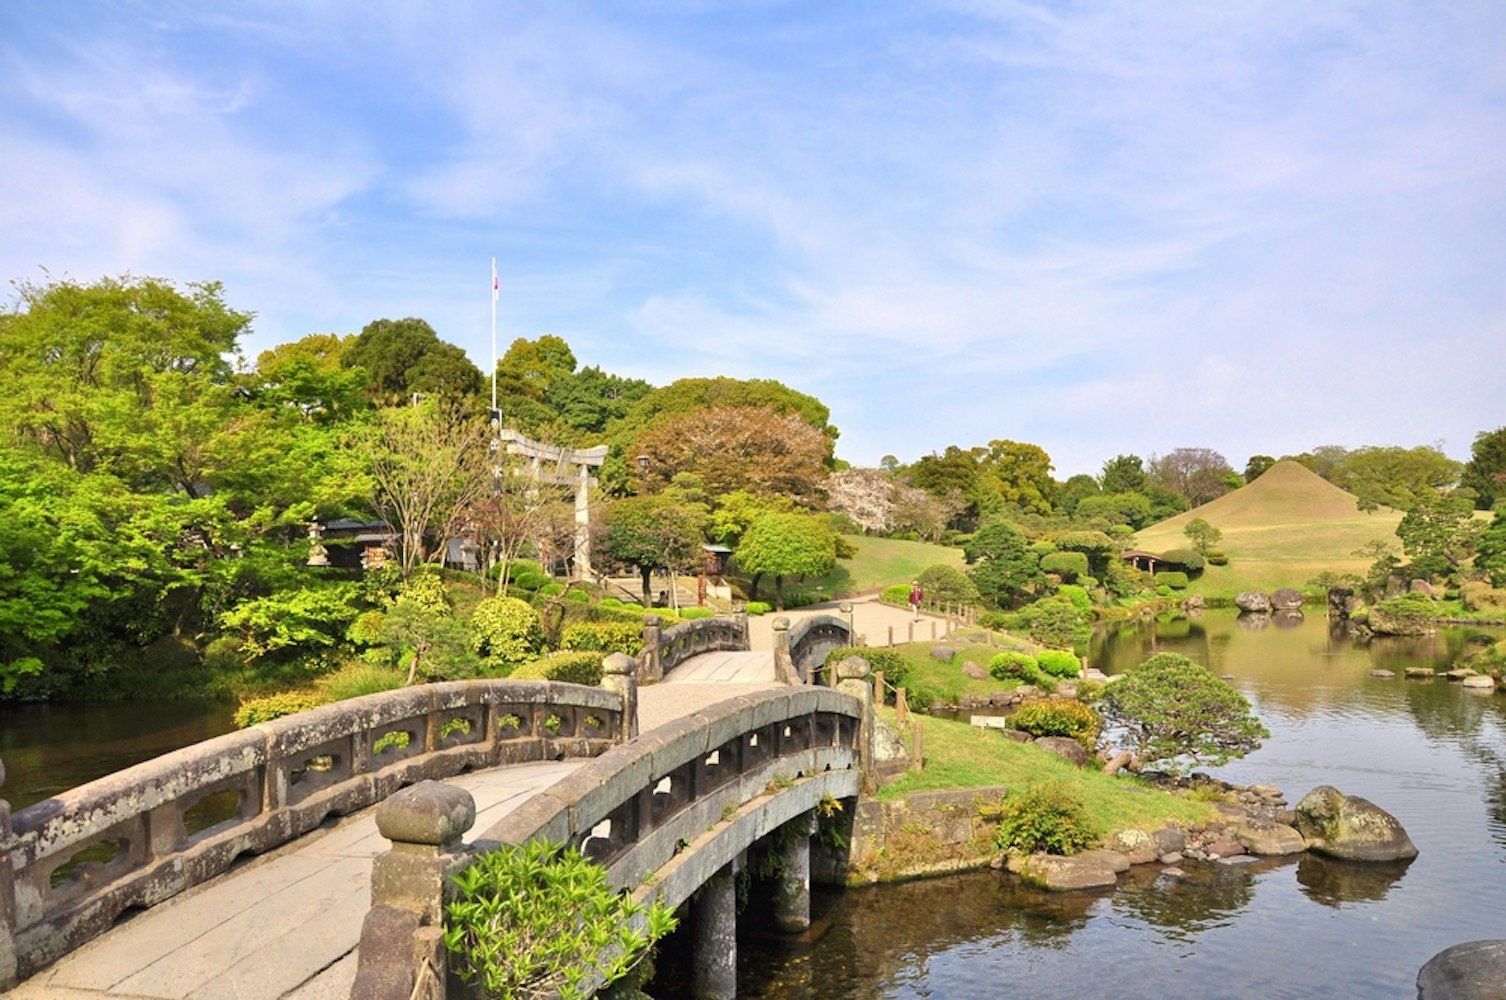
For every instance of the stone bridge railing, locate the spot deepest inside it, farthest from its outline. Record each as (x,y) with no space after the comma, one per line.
(72,864)
(664,813)
(666,648)
(802,649)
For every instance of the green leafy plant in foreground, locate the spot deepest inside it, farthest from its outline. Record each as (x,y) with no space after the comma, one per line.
(538,921)
(1044,817)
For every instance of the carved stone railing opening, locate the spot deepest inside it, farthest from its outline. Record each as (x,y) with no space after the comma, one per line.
(72,864)
(800,650)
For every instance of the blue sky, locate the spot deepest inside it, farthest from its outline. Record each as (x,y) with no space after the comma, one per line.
(1100,227)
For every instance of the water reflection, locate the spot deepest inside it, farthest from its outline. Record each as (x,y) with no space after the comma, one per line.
(1309,927)
(1333,883)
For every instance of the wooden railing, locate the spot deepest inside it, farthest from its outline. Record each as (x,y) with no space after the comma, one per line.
(72,864)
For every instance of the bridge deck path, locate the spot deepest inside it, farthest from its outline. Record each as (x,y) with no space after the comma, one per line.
(285,926)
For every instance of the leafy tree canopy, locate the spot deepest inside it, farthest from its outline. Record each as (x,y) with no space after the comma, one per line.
(753,449)
(783,545)
(1172,713)
(1004,569)
(406,356)
(1396,477)
(1485,472)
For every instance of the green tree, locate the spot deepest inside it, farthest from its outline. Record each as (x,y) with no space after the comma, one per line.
(590,400)
(753,449)
(405,356)
(1171,713)
(1485,472)
(1003,567)
(1075,490)
(653,531)
(1202,535)
(1123,474)
(1396,477)
(428,465)
(1257,467)
(1438,532)
(783,545)
(309,375)
(1019,474)
(1490,550)
(1132,509)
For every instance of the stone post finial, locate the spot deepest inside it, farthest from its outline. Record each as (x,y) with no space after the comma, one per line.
(845,611)
(619,673)
(651,659)
(854,678)
(784,663)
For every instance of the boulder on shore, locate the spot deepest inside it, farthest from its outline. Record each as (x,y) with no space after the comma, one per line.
(1252,600)
(1351,828)
(1269,839)
(1062,874)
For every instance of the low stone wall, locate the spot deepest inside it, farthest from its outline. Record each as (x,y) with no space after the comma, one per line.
(924,833)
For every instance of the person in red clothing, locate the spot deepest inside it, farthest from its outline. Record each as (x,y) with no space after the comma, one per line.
(916,596)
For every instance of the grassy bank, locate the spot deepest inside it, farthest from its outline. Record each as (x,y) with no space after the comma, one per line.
(959,755)
(878,563)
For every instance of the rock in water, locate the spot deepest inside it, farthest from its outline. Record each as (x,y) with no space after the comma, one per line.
(1475,970)
(1286,599)
(1351,828)
(1252,600)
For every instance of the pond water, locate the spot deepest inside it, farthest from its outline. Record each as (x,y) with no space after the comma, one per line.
(1431,753)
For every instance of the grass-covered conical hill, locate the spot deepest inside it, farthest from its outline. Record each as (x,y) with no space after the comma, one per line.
(1279,531)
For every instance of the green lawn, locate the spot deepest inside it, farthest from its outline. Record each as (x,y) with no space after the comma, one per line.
(959,755)
(879,562)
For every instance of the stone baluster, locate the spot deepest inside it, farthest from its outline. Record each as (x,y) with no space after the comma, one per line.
(652,664)
(7,897)
(784,664)
(854,678)
(740,619)
(852,633)
(402,937)
(619,674)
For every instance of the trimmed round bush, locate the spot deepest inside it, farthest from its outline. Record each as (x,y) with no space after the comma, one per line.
(1067,565)
(1077,595)
(1216,557)
(1188,560)
(1058,717)
(507,631)
(527,575)
(551,589)
(1059,662)
(579,667)
(691,614)
(1174,579)
(946,585)
(575,596)
(1013,666)
(897,594)
(758,607)
(275,707)
(604,637)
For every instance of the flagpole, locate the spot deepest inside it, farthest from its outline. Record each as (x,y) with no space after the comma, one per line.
(494,414)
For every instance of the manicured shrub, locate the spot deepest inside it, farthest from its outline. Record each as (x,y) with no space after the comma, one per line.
(1046,816)
(1058,717)
(1059,662)
(523,574)
(1188,560)
(1012,666)
(577,596)
(356,679)
(921,696)
(1216,557)
(1054,621)
(609,602)
(275,707)
(996,620)
(691,614)
(551,589)
(604,637)
(897,594)
(1171,713)
(1077,595)
(579,667)
(506,631)
(1174,579)
(1067,565)
(758,608)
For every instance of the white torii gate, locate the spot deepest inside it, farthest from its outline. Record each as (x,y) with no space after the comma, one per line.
(579,462)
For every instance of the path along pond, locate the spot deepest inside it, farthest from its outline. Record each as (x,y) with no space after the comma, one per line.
(1432,753)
